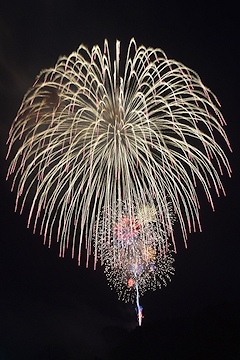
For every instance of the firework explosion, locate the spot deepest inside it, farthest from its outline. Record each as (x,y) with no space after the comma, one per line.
(91,139)
(134,252)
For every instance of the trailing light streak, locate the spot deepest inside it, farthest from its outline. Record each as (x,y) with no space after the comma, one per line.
(139,308)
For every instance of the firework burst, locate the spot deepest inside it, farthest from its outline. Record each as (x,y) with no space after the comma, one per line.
(136,255)
(91,139)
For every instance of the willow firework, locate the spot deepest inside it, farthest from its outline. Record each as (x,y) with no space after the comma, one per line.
(90,139)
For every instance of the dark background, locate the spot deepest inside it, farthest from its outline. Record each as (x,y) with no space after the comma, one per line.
(49,307)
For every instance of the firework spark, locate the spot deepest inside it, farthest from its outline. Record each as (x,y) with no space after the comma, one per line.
(91,139)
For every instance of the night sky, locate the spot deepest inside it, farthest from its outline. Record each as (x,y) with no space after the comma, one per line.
(49,307)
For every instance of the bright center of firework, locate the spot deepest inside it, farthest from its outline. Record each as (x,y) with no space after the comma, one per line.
(126,231)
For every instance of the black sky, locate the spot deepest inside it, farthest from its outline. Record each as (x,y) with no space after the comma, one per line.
(49,307)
